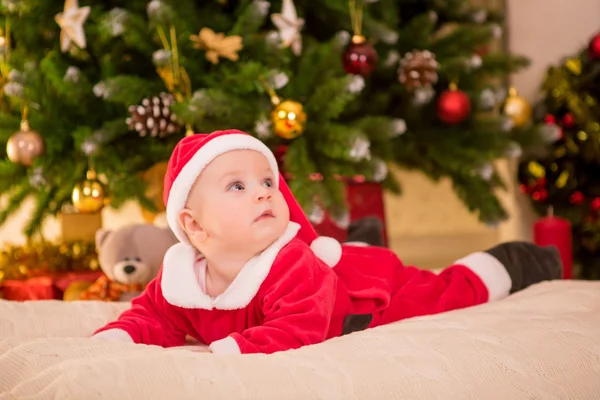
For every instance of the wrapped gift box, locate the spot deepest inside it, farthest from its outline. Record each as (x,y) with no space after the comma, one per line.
(47,287)
(76,226)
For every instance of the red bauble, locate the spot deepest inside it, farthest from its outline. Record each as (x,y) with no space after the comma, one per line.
(539,194)
(453,106)
(524,188)
(576,198)
(594,47)
(540,183)
(360,58)
(550,119)
(595,204)
(568,120)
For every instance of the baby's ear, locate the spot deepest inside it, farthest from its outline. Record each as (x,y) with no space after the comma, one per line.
(190,225)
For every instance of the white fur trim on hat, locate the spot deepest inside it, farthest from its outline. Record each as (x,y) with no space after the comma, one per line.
(209,151)
(327,249)
(492,273)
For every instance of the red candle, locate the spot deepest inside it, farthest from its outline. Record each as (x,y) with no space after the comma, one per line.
(555,231)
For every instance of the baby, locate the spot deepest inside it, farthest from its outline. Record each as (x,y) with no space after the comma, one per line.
(250,274)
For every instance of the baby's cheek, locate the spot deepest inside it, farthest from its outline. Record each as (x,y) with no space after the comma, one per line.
(222,208)
(233,217)
(282,209)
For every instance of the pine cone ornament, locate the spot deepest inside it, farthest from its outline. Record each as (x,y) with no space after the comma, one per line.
(418,69)
(154,116)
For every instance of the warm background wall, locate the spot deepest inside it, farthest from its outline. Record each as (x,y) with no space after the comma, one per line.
(428,226)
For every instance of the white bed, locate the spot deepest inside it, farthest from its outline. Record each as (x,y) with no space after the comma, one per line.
(543,343)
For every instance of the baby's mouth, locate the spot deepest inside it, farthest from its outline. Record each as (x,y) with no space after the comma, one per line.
(265,215)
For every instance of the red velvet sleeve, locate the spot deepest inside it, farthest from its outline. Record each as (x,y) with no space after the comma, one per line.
(297,298)
(150,320)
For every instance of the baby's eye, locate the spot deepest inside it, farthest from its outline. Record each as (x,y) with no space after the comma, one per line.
(236,186)
(268,182)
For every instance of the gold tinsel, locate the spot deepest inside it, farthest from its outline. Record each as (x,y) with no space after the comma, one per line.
(582,105)
(559,85)
(42,258)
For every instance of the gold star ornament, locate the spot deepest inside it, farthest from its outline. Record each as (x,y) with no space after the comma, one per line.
(71,22)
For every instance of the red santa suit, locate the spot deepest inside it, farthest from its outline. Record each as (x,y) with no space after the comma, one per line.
(301,290)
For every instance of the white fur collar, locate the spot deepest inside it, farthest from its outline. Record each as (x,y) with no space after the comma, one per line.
(180,287)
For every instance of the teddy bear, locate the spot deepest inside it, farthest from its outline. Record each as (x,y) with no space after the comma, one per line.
(130,258)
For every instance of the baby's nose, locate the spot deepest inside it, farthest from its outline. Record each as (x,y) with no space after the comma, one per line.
(263,194)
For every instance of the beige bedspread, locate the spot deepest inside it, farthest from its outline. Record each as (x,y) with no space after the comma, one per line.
(543,343)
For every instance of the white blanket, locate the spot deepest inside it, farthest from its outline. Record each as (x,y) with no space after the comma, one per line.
(543,343)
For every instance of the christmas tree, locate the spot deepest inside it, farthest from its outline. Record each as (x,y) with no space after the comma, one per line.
(96,94)
(566,174)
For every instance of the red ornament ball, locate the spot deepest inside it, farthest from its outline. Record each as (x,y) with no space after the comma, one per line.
(524,188)
(568,120)
(540,183)
(594,47)
(539,194)
(595,204)
(453,106)
(550,119)
(360,58)
(576,198)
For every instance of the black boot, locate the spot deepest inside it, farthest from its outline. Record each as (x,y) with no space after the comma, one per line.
(367,230)
(528,263)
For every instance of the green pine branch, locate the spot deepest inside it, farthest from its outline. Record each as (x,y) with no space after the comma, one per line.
(79,99)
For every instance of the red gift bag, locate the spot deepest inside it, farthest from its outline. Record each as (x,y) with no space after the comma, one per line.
(365,199)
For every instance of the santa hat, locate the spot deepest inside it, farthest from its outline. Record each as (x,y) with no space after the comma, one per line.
(193,153)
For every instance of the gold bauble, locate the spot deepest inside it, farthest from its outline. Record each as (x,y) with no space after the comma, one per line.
(154,178)
(25,146)
(89,195)
(288,119)
(517,108)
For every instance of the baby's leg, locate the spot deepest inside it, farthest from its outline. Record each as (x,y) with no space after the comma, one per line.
(419,292)
(477,278)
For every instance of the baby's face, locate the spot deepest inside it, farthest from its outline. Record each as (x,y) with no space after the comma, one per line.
(235,201)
